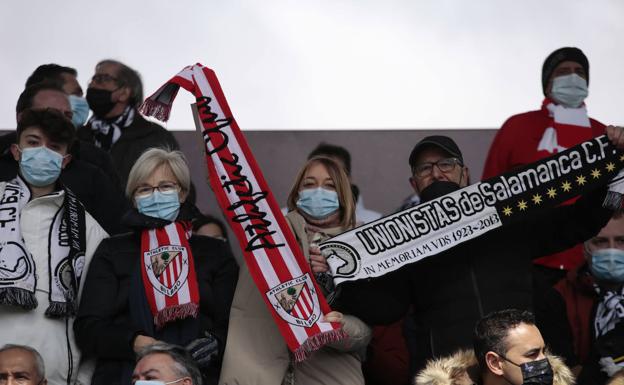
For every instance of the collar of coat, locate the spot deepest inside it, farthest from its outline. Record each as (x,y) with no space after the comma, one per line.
(462,368)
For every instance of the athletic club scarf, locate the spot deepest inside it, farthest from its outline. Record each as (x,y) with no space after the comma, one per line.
(610,310)
(271,252)
(569,127)
(168,273)
(66,258)
(392,242)
(106,131)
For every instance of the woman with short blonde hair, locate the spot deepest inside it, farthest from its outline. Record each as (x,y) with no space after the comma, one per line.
(159,282)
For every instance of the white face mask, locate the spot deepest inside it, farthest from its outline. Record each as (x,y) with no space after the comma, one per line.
(569,90)
(156,382)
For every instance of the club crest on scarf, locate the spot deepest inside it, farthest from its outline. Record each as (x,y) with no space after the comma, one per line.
(167,268)
(343,259)
(296,301)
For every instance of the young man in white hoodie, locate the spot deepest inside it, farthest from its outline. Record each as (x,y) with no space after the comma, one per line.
(47,240)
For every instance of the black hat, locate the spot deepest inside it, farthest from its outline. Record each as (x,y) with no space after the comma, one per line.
(557,57)
(443,142)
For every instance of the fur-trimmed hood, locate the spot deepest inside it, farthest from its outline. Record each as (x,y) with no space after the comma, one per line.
(462,368)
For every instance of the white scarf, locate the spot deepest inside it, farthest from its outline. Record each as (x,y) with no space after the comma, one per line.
(66,243)
(610,310)
(106,132)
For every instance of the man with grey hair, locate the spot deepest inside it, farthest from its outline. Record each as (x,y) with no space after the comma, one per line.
(114,94)
(22,365)
(162,363)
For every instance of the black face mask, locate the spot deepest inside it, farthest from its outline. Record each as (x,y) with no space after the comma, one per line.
(535,372)
(100,101)
(437,189)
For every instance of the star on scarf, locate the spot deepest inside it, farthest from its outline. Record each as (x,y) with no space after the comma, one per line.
(537,199)
(551,192)
(595,173)
(566,186)
(610,166)
(581,180)
(507,211)
(522,205)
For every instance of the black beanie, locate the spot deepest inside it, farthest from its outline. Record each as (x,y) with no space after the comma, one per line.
(563,54)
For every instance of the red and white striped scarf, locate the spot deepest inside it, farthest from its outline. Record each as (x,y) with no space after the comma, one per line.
(168,273)
(275,261)
(569,127)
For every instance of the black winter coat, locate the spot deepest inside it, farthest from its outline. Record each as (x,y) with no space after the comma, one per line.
(452,290)
(107,318)
(134,140)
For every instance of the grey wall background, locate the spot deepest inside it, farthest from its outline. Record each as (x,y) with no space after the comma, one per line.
(379,159)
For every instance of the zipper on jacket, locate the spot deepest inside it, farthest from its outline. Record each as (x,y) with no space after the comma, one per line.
(477,292)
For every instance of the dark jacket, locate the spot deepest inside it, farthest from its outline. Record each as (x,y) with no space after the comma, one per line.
(113,303)
(450,291)
(134,140)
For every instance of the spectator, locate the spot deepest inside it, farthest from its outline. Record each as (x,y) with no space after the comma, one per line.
(589,301)
(46,246)
(343,157)
(55,76)
(562,122)
(162,363)
(508,350)
(321,205)
(114,93)
(21,365)
(67,79)
(86,178)
(450,291)
(156,284)
(210,226)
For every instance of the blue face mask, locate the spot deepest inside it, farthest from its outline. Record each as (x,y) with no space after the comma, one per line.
(80,109)
(608,265)
(569,90)
(40,166)
(159,205)
(318,202)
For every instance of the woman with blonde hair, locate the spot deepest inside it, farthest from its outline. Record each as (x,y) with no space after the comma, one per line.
(320,206)
(159,282)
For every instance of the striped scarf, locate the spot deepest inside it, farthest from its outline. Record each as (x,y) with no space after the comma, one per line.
(168,273)
(275,261)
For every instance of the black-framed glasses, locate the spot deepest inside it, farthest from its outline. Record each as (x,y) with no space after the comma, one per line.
(164,188)
(103,78)
(445,165)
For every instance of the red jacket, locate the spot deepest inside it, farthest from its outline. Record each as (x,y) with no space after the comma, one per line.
(515,145)
(577,292)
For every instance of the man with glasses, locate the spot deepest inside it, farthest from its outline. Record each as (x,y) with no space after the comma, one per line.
(450,291)
(163,364)
(21,365)
(114,93)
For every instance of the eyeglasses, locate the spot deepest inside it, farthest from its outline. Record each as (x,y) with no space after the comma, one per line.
(164,188)
(445,165)
(103,78)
